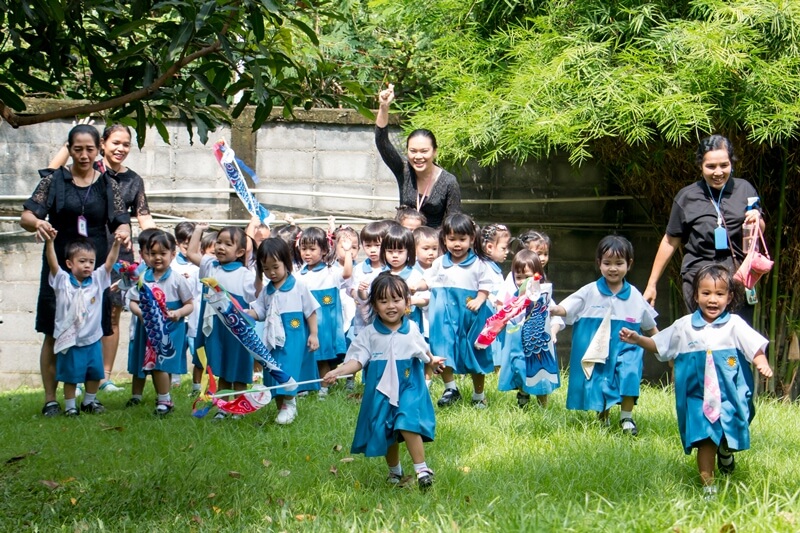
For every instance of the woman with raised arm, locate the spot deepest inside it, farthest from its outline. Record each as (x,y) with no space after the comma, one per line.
(425,186)
(707,218)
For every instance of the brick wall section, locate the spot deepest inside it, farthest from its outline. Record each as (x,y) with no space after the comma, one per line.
(324,151)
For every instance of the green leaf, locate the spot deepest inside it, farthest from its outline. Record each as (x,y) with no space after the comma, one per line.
(257,24)
(128,27)
(245,99)
(312,35)
(10,98)
(177,45)
(204,13)
(162,129)
(262,114)
(271,6)
(141,124)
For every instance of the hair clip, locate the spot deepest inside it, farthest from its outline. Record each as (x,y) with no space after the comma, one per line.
(297,239)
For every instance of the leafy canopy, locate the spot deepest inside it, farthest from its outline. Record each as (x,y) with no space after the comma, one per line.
(142,59)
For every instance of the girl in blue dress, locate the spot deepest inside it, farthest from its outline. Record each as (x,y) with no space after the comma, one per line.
(494,239)
(179,295)
(289,311)
(396,406)
(459,283)
(314,248)
(228,358)
(712,350)
(399,254)
(530,364)
(604,371)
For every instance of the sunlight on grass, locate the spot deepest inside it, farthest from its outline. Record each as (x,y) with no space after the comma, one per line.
(502,469)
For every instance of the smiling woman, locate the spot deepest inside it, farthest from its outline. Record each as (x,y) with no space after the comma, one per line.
(707,218)
(426,187)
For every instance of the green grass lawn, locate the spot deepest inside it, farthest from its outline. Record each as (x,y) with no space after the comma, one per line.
(502,469)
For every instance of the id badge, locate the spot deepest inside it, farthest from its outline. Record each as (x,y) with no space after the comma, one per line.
(83,227)
(752,296)
(720,238)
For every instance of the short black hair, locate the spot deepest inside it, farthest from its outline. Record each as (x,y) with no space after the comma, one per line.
(398,237)
(273,248)
(80,244)
(144,237)
(617,246)
(184,231)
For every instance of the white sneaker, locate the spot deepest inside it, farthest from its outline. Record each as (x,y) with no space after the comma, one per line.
(287,414)
(79,390)
(322,394)
(110,386)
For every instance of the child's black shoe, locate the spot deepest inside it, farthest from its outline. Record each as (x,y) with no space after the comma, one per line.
(449,397)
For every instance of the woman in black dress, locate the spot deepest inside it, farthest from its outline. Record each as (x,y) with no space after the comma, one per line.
(425,186)
(70,202)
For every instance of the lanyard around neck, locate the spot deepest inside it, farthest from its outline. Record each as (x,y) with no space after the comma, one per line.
(717,205)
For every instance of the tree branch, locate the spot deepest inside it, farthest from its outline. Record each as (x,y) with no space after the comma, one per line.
(15,121)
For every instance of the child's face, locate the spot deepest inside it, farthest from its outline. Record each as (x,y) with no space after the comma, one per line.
(81,264)
(521,275)
(226,250)
(498,250)
(614,269)
(427,251)
(396,258)
(275,270)
(184,247)
(160,258)
(144,253)
(458,245)
(542,250)
(411,223)
(311,254)
(340,249)
(373,251)
(391,308)
(261,233)
(712,297)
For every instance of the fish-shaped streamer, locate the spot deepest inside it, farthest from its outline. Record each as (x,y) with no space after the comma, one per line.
(157,326)
(231,165)
(241,326)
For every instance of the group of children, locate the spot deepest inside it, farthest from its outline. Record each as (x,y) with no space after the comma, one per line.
(413,307)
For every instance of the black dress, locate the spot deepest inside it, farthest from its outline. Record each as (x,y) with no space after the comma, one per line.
(57,199)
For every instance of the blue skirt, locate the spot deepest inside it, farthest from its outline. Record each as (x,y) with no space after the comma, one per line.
(332,346)
(81,364)
(537,375)
(294,357)
(454,329)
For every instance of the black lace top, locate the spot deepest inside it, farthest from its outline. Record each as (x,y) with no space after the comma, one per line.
(131,186)
(57,199)
(445,195)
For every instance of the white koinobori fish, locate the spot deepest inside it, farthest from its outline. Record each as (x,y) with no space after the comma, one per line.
(230,164)
(240,325)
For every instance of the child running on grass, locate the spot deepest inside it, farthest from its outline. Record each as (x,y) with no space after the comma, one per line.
(605,371)
(712,350)
(78,330)
(396,406)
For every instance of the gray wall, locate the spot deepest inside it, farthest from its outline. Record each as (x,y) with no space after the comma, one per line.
(324,151)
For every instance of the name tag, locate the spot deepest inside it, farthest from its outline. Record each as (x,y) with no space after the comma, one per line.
(720,238)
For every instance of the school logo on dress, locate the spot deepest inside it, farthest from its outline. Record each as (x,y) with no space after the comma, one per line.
(731,361)
(408,310)
(92,300)
(469,299)
(294,323)
(407,372)
(327,300)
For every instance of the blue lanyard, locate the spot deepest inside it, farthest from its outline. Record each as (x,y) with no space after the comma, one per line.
(717,205)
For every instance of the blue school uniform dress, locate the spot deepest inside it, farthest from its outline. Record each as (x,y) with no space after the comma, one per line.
(413,277)
(294,304)
(177,291)
(395,396)
(324,283)
(454,328)
(530,363)
(226,356)
(621,374)
(733,344)
(84,360)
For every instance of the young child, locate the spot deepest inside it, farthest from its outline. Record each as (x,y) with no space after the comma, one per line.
(410,218)
(183,267)
(712,350)
(604,371)
(341,234)
(229,359)
(290,314)
(324,282)
(256,233)
(494,241)
(135,357)
(364,273)
(396,405)
(399,254)
(539,243)
(289,233)
(179,296)
(78,328)
(208,243)
(426,241)
(530,364)
(459,283)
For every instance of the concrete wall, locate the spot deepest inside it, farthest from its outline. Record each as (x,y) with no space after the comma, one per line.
(324,151)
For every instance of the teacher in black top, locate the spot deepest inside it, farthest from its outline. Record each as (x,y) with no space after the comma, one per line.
(707,218)
(426,187)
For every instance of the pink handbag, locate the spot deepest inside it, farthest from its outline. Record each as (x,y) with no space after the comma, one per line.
(755,264)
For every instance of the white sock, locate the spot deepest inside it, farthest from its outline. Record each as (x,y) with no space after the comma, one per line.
(195,386)
(88,398)
(420,468)
(428,383)
(69,404)
(478,397)
(451,385)
(136,397)
(290,401)
(164,398)
(325,389)
(396,469)
(625,414)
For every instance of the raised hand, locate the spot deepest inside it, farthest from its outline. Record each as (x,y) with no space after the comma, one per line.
(386,96)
